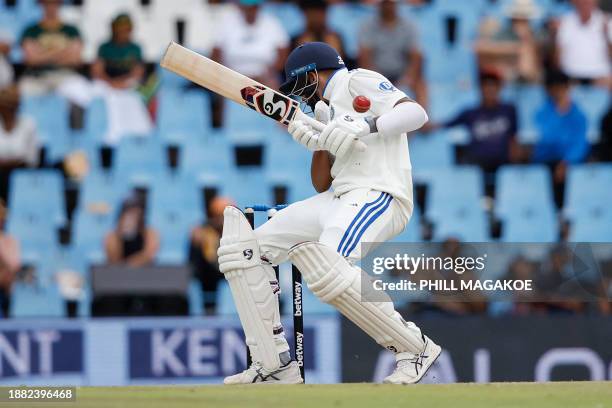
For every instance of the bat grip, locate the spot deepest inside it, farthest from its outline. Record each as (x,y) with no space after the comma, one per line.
(315,124)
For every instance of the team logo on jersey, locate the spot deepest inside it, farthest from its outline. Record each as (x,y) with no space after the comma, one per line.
(386,86)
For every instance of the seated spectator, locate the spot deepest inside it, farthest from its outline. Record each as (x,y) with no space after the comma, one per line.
(6,69)
(203,247)
(512,48)
(584,44)
(10,263)
(51,52)
(18,141)
(251,42)
(389,44)
(492,126)
(315,12)
(132,242)
(562,131)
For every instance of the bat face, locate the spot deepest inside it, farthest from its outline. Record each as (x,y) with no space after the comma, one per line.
(270,103)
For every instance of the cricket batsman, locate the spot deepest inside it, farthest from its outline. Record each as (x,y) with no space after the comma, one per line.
(362,172)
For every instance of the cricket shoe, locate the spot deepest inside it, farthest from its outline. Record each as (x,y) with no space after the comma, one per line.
(257,374)
(412,369)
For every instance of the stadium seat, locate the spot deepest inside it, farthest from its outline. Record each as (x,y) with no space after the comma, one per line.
(38,194)
(183,114)
(50,114)
(30,300)
(103,191)
(591,227)
(37,236)
(247,186)
(532,181)
(198,155)
(346,19)
(88,232)
(140,155)
(96,120)
(225,301)
(412,232)
(428,153)
(587,190)
(289,15)
(594,102)
(537,224)
(196,299)
(529,99)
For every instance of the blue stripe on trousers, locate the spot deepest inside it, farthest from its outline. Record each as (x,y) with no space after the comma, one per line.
(359,214)
(370,221)
(363,219)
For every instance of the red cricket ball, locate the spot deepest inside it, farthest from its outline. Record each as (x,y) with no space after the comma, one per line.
(361,104)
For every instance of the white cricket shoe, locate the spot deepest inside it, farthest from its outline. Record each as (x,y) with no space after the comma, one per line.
(257,374)
(411,370)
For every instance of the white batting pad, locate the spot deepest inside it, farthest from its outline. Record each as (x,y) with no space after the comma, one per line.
(333,280)
(249,281)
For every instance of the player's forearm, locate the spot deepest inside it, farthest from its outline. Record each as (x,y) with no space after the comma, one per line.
(403,118)
(320,171)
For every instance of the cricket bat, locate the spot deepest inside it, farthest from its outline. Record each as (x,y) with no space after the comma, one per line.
(233,85)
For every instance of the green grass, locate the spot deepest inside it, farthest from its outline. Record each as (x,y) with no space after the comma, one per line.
(500,395)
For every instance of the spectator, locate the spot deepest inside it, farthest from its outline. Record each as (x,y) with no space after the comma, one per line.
(562,129)
(119,61)
(132,242)
(251,42)
(315,12)
(6,69)
(512,48)
(10,263)
(18,140)
(389,44)
(51,52)
(492,126)
(203,247)
(584,44)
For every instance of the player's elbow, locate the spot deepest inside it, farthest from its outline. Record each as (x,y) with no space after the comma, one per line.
(420,117)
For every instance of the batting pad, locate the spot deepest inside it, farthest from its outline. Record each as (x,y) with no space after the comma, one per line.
(333,280)
(249,282)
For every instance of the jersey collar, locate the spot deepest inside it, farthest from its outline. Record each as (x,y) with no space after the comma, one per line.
(334,79)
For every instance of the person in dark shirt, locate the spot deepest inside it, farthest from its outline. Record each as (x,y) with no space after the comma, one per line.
(315,12)
(492,126)
(119,61)
(51,52)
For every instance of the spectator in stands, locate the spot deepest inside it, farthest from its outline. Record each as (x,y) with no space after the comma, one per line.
(584,44)
(562,131)
(18,140)
(6,69)
(492,126)
(51,52)
(512,48)
(10,263)
(203,247)
(315,12)
(389,44)
(132,242)
(251,42)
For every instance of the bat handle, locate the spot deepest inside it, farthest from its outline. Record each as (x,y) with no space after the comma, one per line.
(315,124)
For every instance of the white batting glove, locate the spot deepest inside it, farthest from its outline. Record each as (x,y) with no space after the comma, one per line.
(304,135)
(341,135)
(322,113)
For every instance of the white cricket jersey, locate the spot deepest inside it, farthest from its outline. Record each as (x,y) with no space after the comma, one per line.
(385,165)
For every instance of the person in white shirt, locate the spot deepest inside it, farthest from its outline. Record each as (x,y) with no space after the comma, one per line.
(361,169)
(19,146)
(584,44)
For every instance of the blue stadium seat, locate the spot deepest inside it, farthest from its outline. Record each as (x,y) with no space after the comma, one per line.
(346,19)
(245,126)
(37,236)
(195,298)
(96,121)
(36,301)
(183,114)
(103,188)
(591,227)
(38,193)
(529,99)
(587,190)
(225,301)
(428,153)
(520,188)
(594,101)
(454,204)
(50,113)
(213,156)
(176,191)
(448,99)
(247,186)
(289,15)
(142,156)
(412,232)
(536,224)
(88,232)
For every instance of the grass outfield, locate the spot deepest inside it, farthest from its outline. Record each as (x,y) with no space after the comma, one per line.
(523,395)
